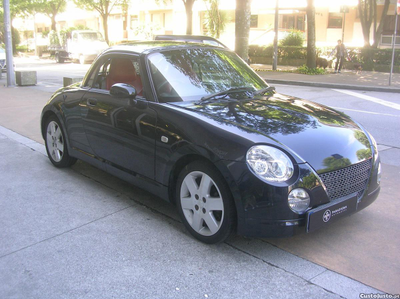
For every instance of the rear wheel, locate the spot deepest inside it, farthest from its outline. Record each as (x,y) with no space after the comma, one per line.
(59,59)
(205,203)
(56,146)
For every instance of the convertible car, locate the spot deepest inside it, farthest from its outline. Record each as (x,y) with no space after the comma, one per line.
(196,126)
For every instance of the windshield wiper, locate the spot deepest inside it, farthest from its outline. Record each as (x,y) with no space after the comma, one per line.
(226,92)
(264,90)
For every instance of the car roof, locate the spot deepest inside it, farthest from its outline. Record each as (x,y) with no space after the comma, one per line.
(154,46)
(189,38)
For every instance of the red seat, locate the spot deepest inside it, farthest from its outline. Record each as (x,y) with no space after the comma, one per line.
(123,71)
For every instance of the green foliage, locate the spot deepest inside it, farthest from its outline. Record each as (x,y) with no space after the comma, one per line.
(215,19)
(65,32)
(287,52)
(53,38)
(49,8)
(146,30)
(310,71)
(294,38)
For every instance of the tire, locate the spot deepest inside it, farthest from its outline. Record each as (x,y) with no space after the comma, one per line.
(56,145)
(205,203)
(58,59)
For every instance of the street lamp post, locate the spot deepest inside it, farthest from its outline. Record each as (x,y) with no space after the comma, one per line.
(275,60)
(344,9)
(393,47)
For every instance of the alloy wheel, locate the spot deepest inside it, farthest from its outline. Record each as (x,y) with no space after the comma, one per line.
(55,141)
(202,203)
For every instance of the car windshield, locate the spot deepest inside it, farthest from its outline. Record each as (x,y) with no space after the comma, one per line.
(190,74)
(91,36)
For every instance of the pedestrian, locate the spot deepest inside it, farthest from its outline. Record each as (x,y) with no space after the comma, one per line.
(341,51)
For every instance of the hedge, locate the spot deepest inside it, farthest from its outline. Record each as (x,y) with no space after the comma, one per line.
(370,58)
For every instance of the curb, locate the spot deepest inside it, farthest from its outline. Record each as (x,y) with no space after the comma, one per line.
(334,86)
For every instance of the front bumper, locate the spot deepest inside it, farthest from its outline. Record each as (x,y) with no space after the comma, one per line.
(313,220)
(263,209)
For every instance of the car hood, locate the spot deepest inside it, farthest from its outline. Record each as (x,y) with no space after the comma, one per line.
(323,137)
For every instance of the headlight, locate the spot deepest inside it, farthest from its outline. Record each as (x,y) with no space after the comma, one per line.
(269,163)
(299,200)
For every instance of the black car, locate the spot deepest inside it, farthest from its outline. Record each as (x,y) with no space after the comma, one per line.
(196,126)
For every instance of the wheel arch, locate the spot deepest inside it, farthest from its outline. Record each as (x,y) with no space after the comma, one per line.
(45,116)
(219,166)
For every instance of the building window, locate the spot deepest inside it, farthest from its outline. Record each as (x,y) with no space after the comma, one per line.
(292,22)
(335,20)
(254,21)
(134,21)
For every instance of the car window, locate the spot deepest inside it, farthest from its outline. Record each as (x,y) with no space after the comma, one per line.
(116,69)
(212,43)
(189,74)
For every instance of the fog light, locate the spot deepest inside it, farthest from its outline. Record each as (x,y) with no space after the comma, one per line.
(299,200)
(379,174)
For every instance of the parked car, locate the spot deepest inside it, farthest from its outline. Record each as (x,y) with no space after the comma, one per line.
(208,40)
(81,45)
(196,126)
(3,66)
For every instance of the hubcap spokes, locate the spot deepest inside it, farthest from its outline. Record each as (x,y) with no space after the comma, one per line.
(202,203)
(55,141)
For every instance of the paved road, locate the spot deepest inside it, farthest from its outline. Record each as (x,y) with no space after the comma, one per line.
(363,247)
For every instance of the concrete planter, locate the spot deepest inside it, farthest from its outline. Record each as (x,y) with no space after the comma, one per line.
(25,78)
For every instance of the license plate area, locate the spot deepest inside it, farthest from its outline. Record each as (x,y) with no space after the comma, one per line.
(328,213)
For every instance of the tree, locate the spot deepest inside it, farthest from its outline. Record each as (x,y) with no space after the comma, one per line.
(17,7)
(50,8)
(378,32)
(103,7)
(189,15)
(311,50)
(366,10)
(242,28)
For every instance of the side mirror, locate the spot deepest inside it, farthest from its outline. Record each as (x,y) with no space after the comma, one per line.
(122,90)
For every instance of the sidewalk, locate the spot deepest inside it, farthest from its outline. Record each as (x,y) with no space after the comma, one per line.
(347,79)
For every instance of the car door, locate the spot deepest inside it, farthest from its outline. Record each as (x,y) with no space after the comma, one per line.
(121,132)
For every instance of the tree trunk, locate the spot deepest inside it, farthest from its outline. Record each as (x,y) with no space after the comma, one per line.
(53,22)
(105,27)
(379,31)
(189,15)
(311,51)
(366,12)
(242,28)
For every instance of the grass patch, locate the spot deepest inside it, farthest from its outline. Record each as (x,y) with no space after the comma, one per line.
(309,71)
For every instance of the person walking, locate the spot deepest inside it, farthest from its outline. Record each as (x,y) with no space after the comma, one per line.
(341,51)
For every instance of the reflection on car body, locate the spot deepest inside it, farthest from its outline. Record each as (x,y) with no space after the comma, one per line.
(196,126)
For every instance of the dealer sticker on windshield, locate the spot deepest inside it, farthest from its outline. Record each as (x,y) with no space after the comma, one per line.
(326,214)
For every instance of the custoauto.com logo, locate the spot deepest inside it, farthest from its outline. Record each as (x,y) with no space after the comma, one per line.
(327,215)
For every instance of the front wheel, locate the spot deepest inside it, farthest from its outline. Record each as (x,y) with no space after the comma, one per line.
(59,59)
(205,203)
(56,146)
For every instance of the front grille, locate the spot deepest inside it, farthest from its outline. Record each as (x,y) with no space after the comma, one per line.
(346,181)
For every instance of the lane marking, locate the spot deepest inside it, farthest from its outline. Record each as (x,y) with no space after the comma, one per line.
(362,111)
(369,98)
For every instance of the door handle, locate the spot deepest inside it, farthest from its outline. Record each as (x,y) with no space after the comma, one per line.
(91,102)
